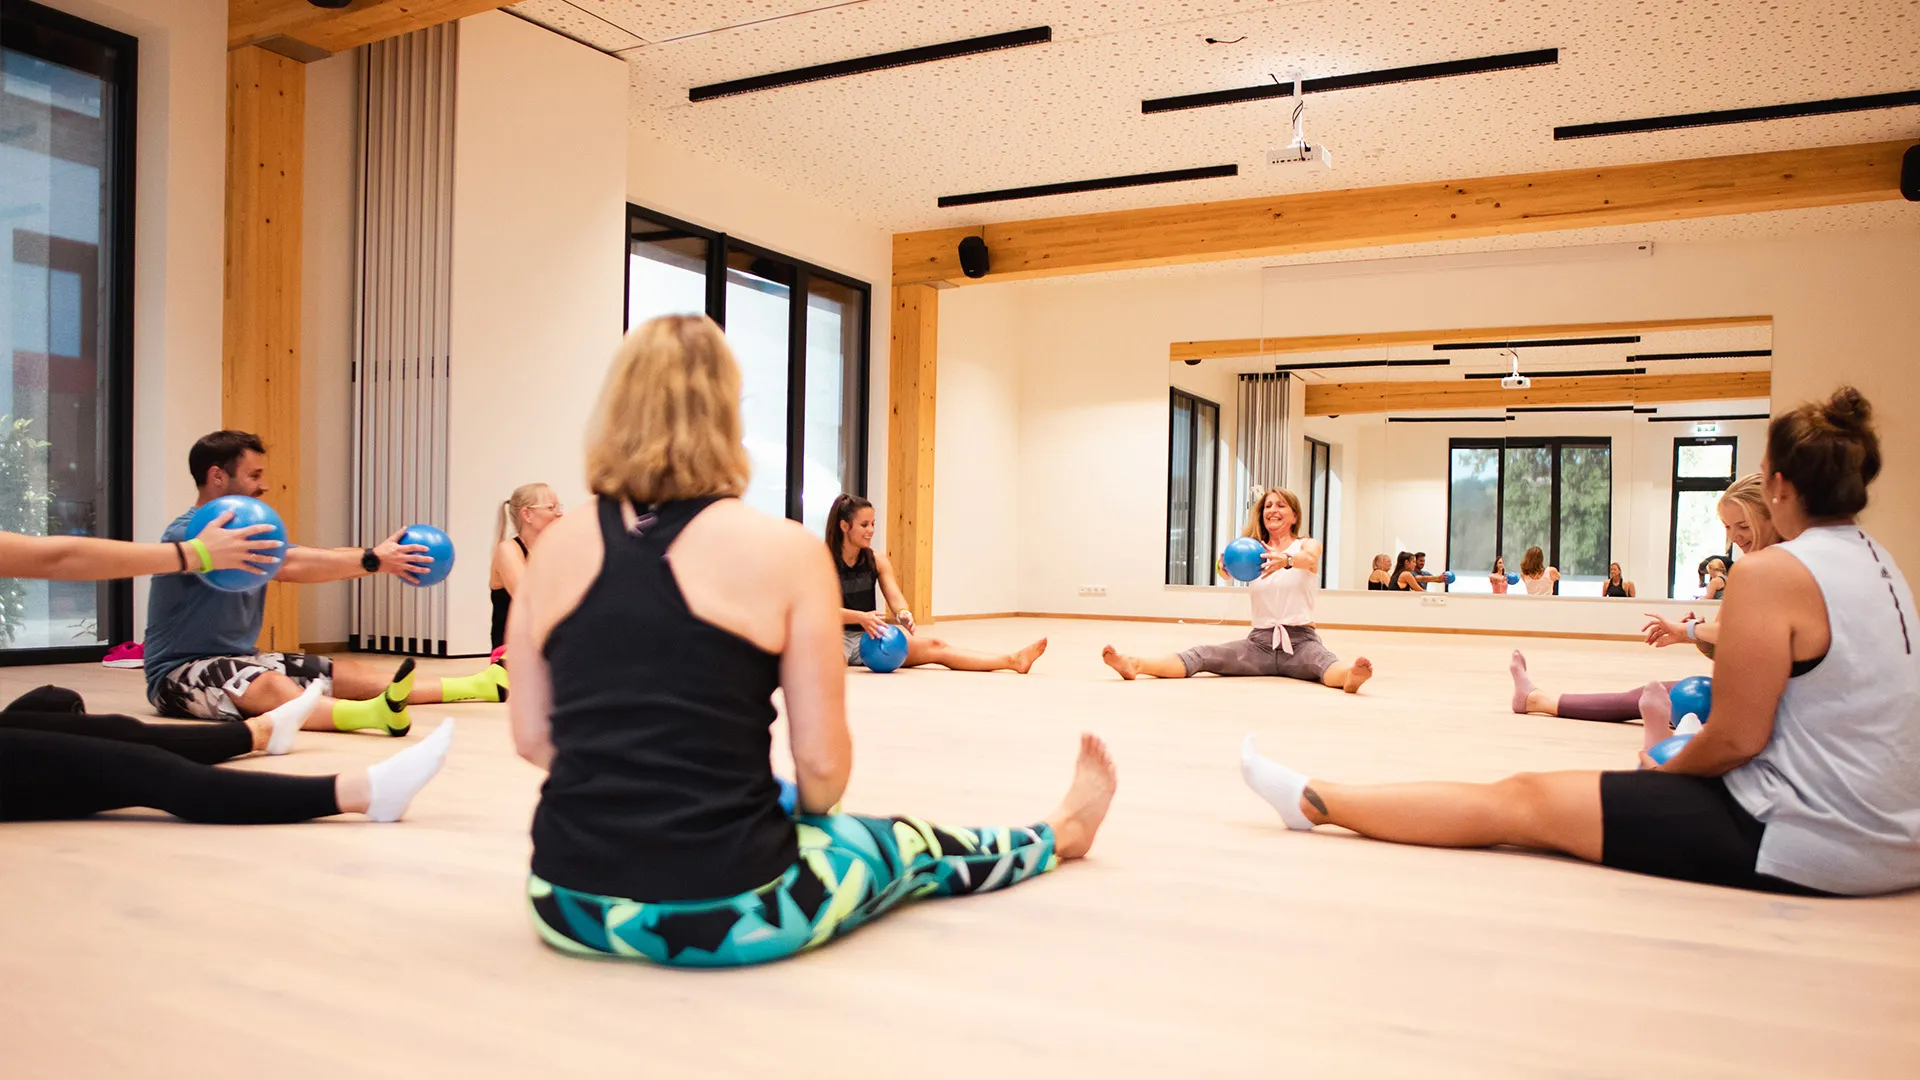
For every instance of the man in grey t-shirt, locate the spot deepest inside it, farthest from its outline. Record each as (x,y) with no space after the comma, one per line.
(202,656)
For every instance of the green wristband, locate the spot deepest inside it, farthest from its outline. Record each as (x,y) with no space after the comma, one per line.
(199,547)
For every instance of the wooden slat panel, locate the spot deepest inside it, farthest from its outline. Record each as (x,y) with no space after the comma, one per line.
(1274,346)
(1411,213)
(260,370)
(1337,399)
(912,371)
(360,23)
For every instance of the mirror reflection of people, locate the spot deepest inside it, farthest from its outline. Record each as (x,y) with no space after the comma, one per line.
(1807,780)
(1536,575)
(1378,579)
(528,511)
(1716,573)
(1283,641)
(1498,579)
(1617,585)
(1397,580)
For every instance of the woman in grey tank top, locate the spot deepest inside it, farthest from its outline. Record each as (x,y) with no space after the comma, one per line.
(1807,778)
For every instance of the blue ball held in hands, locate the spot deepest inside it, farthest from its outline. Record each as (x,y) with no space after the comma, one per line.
(886,652)
(1513,578)
(1663,751)
(246,511)
(1449,576)
(789,794)
(439,548)
(1694,695)
(1243,558)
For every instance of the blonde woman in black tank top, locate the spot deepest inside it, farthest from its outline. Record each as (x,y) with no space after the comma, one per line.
(529,510)
(649,635)
(863,570)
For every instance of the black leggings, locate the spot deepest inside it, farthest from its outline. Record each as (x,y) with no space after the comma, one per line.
(59,710)
(50,769)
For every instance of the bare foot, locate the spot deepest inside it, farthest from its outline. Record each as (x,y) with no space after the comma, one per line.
(1023,660)
(1085,805)
(1656,712)
(1121,664)
(1356,678)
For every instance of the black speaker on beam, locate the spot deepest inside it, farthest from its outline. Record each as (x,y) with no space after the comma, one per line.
(1910,174)
(973,257)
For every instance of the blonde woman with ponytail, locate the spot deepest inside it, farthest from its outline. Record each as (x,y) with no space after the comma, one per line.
(527,512)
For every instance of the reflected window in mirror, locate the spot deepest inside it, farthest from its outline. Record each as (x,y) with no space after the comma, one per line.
(1320,502)
(1508,496)
(1703,468)
(1193,479)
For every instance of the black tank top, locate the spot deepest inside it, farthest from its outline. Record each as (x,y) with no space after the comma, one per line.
(661,789)
(1616,590)
(857,583)
(1378,586)
(502,602)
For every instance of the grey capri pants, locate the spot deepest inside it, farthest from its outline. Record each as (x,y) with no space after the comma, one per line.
(1259,654)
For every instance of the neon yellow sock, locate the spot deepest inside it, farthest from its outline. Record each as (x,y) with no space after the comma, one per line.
(488,685)
(388,712)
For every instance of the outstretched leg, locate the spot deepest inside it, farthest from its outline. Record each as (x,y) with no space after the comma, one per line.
(1349,677)
(1130,667)
(927,650)
(852,869)
(1545,811)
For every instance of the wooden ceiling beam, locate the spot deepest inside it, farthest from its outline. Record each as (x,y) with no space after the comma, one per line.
(1410,213)
(1230,348)
(1339,399)
(303,32)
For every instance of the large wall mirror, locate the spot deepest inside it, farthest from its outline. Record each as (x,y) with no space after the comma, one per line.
(1610,460)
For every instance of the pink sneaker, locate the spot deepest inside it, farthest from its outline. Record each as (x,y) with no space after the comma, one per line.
(497,654)
(130,655)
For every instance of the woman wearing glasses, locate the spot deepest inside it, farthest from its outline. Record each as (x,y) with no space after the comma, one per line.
(528,512)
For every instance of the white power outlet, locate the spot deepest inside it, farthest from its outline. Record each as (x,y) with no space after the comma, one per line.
(1434,600)
(1093,590)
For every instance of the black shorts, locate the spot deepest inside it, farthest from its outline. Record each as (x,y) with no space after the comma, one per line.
(1686,827)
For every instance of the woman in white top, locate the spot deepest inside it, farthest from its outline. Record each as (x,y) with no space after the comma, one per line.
(1283,641)
(1806,777)
(1535,574)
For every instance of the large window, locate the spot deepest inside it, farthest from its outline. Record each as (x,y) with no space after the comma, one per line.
(1320,501)
(1193,478)
(1506,495)
(66,423)
(1702,469)
(800,333)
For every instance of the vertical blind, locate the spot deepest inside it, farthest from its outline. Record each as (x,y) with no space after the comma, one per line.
(403,280)
(1262,446)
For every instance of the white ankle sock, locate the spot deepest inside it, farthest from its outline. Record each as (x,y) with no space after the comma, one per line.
(1275,783)
(288,718)
(395,781)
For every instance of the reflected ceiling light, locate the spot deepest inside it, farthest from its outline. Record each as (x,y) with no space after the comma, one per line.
(1726,354)
(1542,343)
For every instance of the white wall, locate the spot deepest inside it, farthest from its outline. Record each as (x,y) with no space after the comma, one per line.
(1093,404)
(540,170)
(326,334)
(976,493)
(179,225)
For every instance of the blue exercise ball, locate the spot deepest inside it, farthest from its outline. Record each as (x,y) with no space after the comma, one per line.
(886,652)
(1693,694)
(1513,578)
(1449,577)
(439,548)
(246,511)
(789,794)
(1663,751)
(1243,558)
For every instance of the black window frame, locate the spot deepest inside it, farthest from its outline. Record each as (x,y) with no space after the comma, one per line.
(1695,483)
(1212,525)
(803,272)
(21,23)
(1319,497)
(1554,444)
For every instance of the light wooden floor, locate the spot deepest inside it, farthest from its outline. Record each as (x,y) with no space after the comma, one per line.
(1201,939)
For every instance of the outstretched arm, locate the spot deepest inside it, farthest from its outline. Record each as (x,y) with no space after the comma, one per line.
(890,590)
(306,566)
(85,558)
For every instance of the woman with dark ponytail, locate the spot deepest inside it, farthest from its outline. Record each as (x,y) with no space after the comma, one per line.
(1807,775)
(862,569)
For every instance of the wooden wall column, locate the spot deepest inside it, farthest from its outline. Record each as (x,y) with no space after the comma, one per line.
(910,400)
(260,369)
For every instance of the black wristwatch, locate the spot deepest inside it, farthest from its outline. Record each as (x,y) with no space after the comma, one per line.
(369,561)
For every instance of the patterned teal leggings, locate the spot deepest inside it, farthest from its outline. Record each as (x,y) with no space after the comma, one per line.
(850,871)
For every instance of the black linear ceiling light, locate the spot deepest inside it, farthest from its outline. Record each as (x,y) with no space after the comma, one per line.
(1706,419)
(1439,361)
(925,54)
(1864,103)
(1542,343)
(1726,354)
(1569,408)
(1444,70)
(1103,183)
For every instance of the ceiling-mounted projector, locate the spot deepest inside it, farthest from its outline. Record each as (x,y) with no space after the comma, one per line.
(1515,381)
(1300,151)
